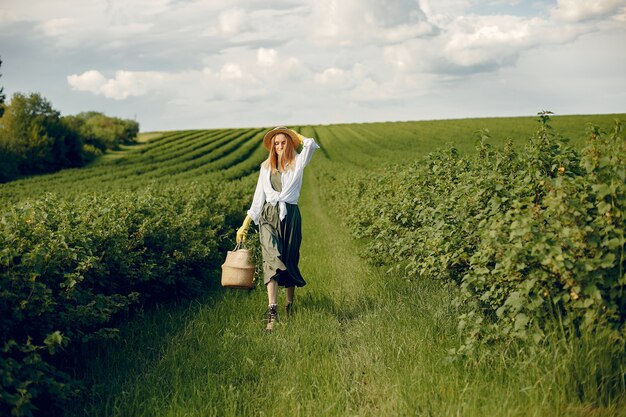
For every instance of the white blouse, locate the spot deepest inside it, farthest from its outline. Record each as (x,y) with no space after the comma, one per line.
(291,180)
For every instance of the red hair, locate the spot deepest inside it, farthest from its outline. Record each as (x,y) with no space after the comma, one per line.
(289,155)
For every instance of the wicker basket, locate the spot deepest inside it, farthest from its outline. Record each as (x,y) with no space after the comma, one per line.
(237,270)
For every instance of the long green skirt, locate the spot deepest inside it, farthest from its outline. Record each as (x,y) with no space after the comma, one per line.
(280,245)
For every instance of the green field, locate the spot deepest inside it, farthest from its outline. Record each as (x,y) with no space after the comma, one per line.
(366,340)
(183,156)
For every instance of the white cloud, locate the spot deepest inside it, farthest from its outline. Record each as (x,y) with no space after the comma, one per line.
(109,11)
(358,22)
(504,2)
(87,24)
(230,81)
(57,27)
(582,10)
(91,81)
(479,43)
(352,57)
(405,57)
(356,83)
(442,12)
(276,70)
(266,57)
(231,71)
(124,85)
(485,40)
(129,83)
(232,22)
(6,16)
(332,76)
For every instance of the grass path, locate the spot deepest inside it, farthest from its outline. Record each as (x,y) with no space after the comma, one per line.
(360,344)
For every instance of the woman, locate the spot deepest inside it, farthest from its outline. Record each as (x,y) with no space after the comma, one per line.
(275,210)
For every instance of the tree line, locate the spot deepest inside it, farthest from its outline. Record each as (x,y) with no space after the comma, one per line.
(36,139)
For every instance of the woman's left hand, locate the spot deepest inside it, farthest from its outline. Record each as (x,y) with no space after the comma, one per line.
(243,230)
(241,234)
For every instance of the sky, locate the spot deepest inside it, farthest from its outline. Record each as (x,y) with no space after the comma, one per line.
(191,64)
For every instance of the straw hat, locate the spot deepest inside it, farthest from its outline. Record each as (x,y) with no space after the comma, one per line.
(267,139)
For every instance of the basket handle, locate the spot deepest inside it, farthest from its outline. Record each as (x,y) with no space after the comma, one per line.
(239,246)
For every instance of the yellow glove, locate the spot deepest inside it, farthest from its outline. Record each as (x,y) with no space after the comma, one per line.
(243,230)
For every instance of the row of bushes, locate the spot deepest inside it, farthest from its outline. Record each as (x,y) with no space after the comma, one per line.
(69,268)
(534,239)
(34,138)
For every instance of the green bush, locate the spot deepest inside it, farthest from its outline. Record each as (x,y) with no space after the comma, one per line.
(560,253)
(69,268)
(103,132)
(534,239)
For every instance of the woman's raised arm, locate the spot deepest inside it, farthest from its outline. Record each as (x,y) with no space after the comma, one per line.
(308,147)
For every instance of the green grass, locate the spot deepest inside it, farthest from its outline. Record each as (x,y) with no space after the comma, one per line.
(362,343)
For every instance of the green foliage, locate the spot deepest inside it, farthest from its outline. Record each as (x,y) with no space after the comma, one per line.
(27,378)
(68,268)
(32,132)
(8,164)
(383,337)
(35,139)
(101,131)
(2,97)
(534,239)
(81,247)
(559,253)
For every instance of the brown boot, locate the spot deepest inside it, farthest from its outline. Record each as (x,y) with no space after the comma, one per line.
(272,315)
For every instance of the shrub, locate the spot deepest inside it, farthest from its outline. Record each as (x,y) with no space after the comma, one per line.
(535,240)
(69,268)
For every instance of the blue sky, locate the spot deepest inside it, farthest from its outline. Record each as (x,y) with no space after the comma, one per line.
(179,64)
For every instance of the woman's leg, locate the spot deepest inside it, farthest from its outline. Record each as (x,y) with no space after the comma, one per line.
(272,288)
(289,300)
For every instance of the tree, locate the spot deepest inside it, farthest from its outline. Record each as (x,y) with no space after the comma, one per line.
(34,138)
(103,132)
(8,165)
(2,96)
(33,132)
